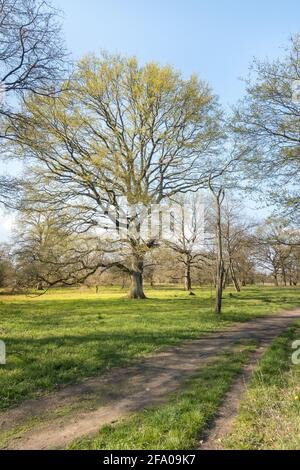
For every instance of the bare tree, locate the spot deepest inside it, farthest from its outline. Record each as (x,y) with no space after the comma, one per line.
(188,236)
(279,258)
(32,52)
(236,234)
(267,122)
(32,59)
(7,269)
(47,252)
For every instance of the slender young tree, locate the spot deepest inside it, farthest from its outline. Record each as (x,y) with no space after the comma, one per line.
(218,196)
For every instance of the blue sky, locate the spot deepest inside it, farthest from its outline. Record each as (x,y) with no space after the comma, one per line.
(217,39)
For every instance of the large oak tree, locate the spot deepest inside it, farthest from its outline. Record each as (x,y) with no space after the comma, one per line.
(120,139)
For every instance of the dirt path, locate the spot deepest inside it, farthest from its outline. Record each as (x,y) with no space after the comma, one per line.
(222,424)
(82,409)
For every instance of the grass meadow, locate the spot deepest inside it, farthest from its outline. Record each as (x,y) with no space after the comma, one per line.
(269,414)
(69,334)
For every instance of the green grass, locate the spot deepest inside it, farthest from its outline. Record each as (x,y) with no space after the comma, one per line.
(67,335)
(269,414)
(177,424)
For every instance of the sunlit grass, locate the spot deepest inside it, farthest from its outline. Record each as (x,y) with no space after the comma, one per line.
(269,414)
(178,423)
(67,335)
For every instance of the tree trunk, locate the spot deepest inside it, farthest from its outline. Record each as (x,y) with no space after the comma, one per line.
(136,289)
(284,276)
(123,284)
(219,286)
(225,279)
(187,277)
(220,271)
(39,286)
(234,279)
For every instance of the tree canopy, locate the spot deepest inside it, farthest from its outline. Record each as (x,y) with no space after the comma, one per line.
(118,137)
(268,120)
(33,59)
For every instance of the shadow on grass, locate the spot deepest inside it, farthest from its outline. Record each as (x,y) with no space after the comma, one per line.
(50,342)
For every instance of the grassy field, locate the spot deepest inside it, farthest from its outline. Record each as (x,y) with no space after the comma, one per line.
(178,423)
(269,414)
(67,335)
